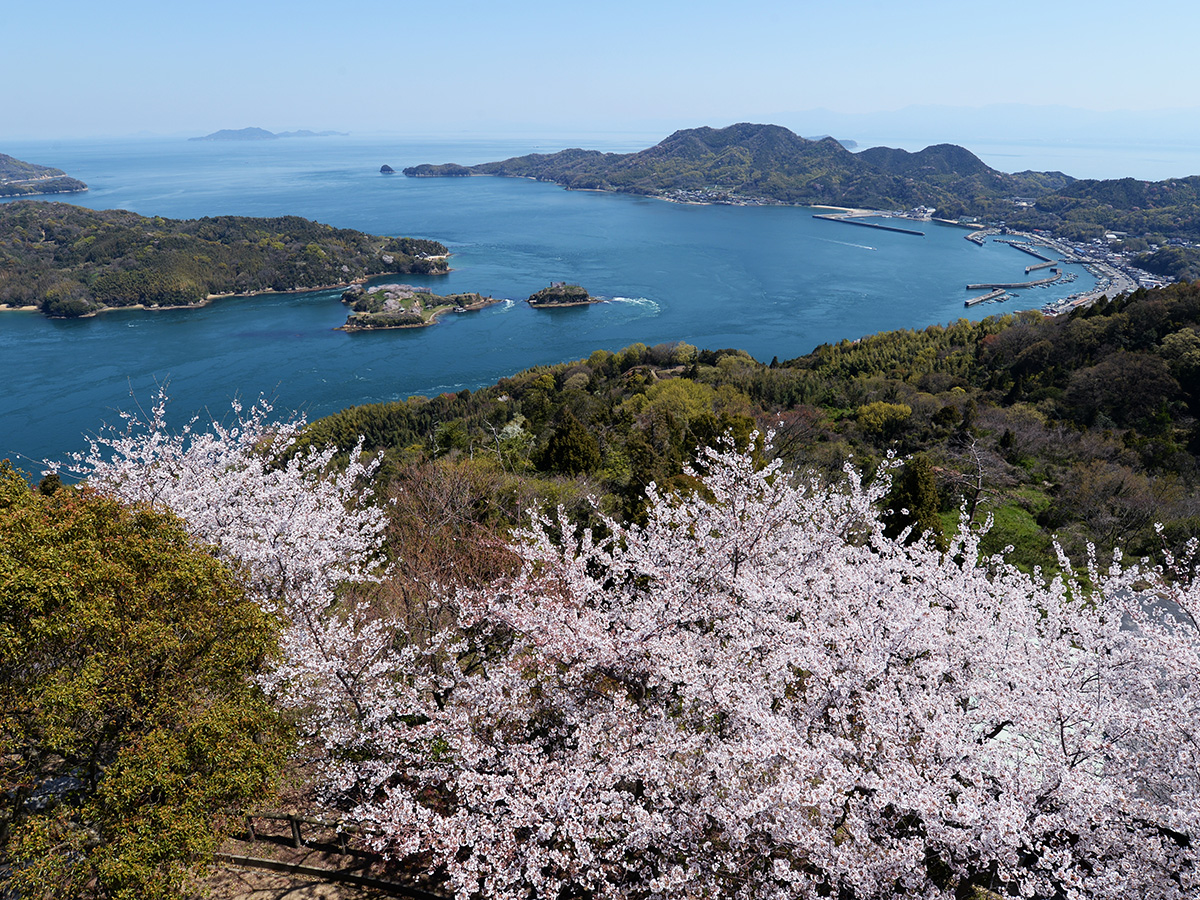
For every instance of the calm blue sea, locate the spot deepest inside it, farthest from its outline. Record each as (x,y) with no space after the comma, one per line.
(773,281)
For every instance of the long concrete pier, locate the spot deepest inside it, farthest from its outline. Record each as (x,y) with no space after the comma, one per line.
(1016,285)
(849,220)
(983,298)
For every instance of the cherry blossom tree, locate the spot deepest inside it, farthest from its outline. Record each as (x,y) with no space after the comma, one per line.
(758,694)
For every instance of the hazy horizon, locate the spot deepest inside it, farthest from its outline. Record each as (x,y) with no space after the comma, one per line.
(928,74)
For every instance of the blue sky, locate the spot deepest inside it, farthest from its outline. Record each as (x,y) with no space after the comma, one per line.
(81,69)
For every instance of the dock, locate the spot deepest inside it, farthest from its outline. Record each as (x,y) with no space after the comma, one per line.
(983,298)
(849,220)
(1041,265)
(1016,285)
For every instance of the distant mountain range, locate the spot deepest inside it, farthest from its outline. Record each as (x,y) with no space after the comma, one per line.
(768,163)
(19,179)
(261,134)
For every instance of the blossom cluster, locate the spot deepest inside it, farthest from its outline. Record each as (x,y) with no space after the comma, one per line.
(758,694)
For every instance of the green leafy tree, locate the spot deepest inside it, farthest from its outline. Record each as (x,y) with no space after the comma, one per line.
(914,503)
(129,718)
(571,450)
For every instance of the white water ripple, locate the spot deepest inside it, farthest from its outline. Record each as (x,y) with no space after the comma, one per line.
(648,306)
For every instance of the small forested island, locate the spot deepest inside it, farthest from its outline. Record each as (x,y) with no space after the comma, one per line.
(561,294)
(403,306)
(385,169)
(68,261)
(768,164)
(19,178)
(261,134)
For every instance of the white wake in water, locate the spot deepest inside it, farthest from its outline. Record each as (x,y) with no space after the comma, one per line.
(647,305)
(846,244)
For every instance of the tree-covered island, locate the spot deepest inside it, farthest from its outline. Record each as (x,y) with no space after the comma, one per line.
(19,179)
(403,306)
(68,261)
(561,294)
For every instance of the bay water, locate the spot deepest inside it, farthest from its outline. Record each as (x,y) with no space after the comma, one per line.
(773,281)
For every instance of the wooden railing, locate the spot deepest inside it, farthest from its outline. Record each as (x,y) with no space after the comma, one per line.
(299,834)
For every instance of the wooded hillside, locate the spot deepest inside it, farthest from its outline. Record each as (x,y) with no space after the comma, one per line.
(71,261)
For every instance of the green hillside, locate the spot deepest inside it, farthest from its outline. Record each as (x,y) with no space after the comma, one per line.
(1081,426)
(19,178)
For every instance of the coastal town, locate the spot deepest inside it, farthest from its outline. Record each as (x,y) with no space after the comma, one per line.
(1112,267)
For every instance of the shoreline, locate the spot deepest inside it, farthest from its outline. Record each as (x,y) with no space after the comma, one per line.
(432,320)
(211,297)
(36,194)
(591,302)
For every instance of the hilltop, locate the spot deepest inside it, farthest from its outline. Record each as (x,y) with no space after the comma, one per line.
(19,178)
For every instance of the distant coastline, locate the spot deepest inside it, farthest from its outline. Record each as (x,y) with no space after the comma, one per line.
(261,134)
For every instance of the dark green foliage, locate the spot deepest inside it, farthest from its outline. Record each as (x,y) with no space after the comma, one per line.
(1088,208)
(914,503)
(446,170)
(570,450)
(130,726)
(70,261)
(1180,263)
(402,306)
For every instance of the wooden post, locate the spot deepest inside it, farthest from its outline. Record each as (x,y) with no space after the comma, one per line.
(296,842)
(250,829)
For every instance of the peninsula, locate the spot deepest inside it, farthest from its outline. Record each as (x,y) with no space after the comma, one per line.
(561,294)
(403,306)
(67,261)
(21,179)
